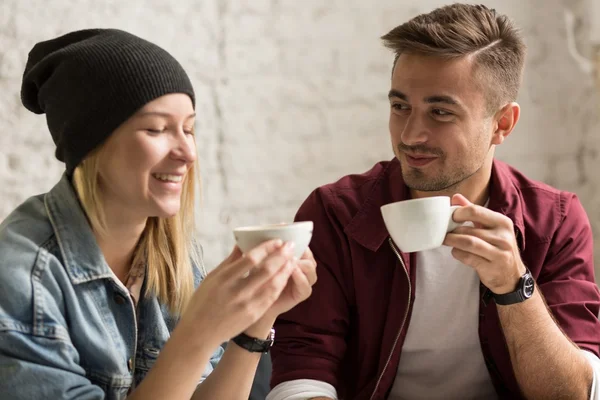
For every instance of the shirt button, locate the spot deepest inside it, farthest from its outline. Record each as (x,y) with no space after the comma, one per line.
(130,364)
(120,300)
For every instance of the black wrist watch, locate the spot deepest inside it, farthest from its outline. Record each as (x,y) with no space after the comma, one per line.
(523,292)
(255,345)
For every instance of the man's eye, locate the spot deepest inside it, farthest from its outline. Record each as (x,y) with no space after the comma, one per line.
(441,113)
(399,106)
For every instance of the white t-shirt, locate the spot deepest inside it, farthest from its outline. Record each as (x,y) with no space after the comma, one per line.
(441,356)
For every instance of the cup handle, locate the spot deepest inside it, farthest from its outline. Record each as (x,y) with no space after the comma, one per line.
(452,225)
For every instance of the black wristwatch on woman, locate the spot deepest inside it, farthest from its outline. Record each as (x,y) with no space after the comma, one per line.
(255,345)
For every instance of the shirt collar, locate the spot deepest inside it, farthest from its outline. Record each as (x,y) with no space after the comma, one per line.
(368,228)
(81,254)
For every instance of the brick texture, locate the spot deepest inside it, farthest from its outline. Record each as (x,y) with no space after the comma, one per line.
(292,95)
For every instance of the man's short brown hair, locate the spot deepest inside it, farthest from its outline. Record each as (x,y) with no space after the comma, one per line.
(461,30)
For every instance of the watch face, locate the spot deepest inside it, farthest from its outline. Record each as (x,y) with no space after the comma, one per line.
(528,287)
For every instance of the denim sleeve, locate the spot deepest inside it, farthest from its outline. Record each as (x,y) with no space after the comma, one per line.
(36,367)
(214,360)
(37,357)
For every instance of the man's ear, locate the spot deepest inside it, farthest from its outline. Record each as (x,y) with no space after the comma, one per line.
(505,121)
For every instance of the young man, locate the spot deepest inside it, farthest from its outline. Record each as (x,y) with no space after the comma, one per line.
(508,307)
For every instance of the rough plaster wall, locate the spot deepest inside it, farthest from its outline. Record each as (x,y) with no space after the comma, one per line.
(292,95)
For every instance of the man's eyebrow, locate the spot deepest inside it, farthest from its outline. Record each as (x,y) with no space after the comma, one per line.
(398,94)
(161,114)
(435,99)
(442,99)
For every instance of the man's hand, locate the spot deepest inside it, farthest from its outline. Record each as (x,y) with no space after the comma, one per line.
(490,246)
(546,363)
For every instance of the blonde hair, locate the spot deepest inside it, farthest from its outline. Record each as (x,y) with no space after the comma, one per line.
(460,30)
(166,246)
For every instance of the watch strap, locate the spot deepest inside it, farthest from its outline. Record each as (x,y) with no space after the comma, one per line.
(509,298)
(253,344)
(524,291)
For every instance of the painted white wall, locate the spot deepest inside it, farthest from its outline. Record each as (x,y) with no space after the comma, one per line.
(292,95)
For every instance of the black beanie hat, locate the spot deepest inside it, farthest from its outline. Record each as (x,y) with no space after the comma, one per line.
(91,81)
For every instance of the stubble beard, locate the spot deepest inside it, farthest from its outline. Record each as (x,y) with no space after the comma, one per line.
(416,179)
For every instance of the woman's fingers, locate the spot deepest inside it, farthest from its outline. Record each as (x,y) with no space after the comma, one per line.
(262,297)
(308,255)
(309,269)
(266,269)
(249,285)
(302,285)
(244,263)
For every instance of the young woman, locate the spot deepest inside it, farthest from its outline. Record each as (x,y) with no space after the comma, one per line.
(98,276)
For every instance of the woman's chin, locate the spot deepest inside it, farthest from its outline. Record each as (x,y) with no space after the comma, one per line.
(166,210)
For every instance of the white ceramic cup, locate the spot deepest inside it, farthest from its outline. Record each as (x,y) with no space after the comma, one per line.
(248,237)
(419,224)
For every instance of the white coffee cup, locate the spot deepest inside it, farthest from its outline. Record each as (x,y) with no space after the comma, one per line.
(248,237)
(419,224)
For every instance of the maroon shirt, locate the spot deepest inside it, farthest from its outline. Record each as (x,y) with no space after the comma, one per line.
(350,332)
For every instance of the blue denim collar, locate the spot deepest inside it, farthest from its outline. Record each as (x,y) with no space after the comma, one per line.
(82,256)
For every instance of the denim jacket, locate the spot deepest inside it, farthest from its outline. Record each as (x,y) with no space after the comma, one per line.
(68,328)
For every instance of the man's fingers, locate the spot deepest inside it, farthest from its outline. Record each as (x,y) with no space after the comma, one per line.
(497,238)
(479,216)
(460,200)
(467,258)
(472,244)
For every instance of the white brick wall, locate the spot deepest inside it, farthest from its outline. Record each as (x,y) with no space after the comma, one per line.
(292,95)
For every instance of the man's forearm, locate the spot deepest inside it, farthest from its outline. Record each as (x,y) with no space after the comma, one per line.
(546,363)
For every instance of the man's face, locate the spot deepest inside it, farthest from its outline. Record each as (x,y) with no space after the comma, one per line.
(439,127)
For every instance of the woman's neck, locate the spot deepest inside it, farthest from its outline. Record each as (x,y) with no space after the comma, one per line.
(119,242)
